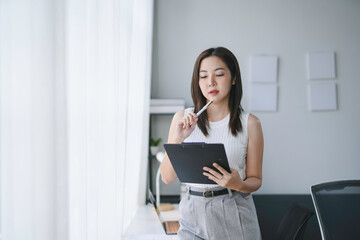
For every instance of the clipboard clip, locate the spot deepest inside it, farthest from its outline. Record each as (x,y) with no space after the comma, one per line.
(193,144)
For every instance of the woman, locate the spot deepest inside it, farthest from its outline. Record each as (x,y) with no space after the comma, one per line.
(231,213)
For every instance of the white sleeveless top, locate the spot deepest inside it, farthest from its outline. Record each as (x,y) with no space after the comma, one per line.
(235,147)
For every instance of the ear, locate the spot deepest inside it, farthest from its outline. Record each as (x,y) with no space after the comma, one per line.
(233,82)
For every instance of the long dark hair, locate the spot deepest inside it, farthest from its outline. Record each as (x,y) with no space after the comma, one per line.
(235,92)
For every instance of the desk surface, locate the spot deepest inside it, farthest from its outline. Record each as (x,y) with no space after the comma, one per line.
(146,225)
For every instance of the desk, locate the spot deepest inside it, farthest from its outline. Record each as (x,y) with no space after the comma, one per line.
(146,226)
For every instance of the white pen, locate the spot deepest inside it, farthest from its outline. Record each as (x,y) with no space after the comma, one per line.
(204,108)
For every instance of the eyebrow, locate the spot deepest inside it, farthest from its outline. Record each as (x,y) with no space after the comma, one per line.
(215,69)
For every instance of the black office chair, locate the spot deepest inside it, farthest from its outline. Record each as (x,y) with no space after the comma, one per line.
(293,223)
(337,206)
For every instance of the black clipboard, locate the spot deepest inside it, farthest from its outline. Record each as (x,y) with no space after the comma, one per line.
(188,160)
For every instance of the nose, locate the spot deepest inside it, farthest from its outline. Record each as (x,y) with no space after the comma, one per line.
(212,81)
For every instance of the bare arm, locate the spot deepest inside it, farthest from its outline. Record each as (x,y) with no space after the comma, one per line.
(254,156)
(181,127)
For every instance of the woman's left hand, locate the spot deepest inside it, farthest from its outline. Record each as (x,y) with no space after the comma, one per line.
(225,179)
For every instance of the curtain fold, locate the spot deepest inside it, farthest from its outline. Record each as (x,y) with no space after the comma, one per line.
(108,62)
(27,129)
(138,121)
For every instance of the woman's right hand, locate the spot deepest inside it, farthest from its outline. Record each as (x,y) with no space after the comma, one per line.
(184,127)
(181,128)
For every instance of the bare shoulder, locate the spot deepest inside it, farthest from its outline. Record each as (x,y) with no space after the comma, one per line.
(179,115)
(254,122)
(255,132)
(176,118)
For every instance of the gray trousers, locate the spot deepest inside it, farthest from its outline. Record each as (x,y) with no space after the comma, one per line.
(230,216)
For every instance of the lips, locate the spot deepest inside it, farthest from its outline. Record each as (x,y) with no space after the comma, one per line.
(213,92)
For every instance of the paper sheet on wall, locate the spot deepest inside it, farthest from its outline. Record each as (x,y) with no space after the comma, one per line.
(263,69)
(263,97)
(322,96)
(321,65)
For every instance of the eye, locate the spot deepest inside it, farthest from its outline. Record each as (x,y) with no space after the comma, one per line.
(203,76)
(220,75)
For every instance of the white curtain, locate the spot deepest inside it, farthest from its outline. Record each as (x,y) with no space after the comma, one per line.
(27,123)
(108,82)
(75,89)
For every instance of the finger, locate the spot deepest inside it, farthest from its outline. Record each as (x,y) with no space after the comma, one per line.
(192,118)
(220,168)
(213,172)
(183,121)
(188,120)
(211,177)
(191,121)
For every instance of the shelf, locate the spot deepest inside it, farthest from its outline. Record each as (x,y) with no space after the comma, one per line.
(165,109)
(166,106)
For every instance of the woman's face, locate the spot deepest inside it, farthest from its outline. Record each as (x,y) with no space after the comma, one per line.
(215,79)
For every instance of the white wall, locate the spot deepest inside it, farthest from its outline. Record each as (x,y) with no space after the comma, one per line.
(301,147)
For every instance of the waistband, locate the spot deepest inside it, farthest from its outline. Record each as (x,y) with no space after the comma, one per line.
(208,193)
